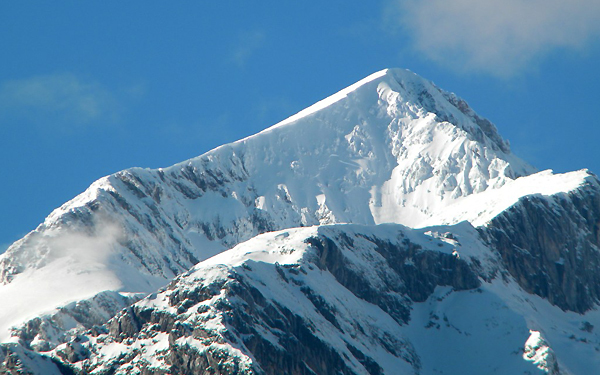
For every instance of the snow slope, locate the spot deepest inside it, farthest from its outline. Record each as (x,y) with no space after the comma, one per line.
(480,209)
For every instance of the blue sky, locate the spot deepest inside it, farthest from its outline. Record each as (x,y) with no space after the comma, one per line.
(91,88)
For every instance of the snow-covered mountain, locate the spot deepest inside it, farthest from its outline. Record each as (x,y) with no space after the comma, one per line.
(392,148)
(344,299)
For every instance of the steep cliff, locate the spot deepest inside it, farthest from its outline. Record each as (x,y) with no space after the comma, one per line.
(550,245)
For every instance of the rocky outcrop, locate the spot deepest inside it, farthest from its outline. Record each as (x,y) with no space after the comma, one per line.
(551,245)
(16,360)
(45,332)
(279,316)
(415,274)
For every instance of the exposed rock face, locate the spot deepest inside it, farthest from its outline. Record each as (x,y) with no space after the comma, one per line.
(233,320)
(16,360)
(551,245)
(45,332)
(537,351)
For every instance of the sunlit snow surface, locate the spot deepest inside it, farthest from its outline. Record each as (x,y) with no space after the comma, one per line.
(480,208)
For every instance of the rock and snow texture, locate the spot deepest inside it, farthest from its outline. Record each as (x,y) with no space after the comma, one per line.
(329,299)
(538,352)
(342,299)
(392,148)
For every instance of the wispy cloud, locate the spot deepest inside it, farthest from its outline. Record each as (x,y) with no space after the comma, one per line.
(497,37)
(247,44)
(63,97)
(93,247)
(90,244)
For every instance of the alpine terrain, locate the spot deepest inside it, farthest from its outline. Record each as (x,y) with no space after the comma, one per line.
(387,229)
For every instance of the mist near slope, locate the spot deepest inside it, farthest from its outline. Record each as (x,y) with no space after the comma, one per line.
(66,265)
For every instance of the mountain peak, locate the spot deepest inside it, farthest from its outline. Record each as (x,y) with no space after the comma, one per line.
(390,148)
(423,146)
(414,96)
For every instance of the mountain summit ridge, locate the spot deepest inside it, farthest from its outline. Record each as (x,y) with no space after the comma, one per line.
(410,83)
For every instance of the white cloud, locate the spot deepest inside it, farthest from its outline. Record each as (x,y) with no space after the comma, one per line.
(92,248)
(62,97)
(247,44)
(498,37)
